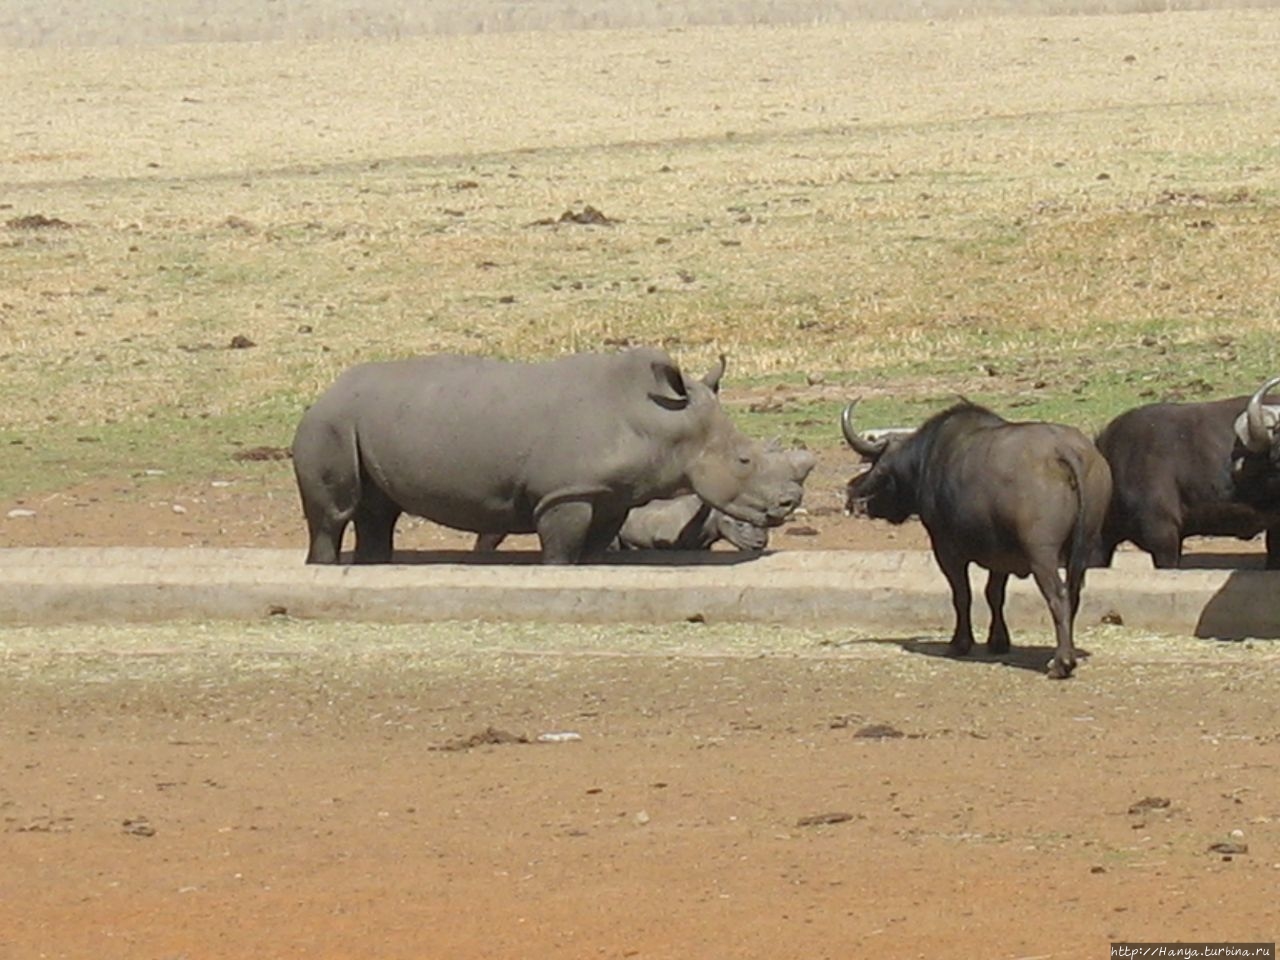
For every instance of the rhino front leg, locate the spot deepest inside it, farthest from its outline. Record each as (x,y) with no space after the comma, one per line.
(563,529)
(601,534)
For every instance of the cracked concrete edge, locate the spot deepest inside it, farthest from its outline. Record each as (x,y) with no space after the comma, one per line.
(898,591)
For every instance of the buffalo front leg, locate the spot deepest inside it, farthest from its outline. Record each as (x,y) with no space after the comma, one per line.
(998,635)
(956,570)
(563,528)
(1055,594)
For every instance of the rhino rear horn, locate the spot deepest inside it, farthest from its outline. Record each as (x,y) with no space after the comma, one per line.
(1260,420)
(670,390)
(860,444)
(712,377)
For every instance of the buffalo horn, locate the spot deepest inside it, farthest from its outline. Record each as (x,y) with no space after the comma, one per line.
(860,444)
(1258,434)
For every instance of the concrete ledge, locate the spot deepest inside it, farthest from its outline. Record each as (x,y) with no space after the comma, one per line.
(901,593)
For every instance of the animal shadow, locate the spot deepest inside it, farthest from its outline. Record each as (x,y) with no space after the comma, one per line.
(621,558)
(1033,658)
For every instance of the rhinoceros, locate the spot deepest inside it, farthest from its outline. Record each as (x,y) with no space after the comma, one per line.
(563,448)
(690,523)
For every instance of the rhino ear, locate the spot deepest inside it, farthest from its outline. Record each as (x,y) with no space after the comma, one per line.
(712,378)
(669,389)
(802,462)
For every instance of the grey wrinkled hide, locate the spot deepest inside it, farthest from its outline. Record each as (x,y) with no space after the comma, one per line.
(563,449)
(689,523)
(686,523)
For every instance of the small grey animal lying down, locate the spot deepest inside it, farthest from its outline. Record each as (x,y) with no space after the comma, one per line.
(680,523)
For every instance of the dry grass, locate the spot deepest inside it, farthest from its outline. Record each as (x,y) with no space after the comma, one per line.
(889,203)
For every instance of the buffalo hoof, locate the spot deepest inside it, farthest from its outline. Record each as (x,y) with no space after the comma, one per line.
(998,647)
(1060,670)
(959,648)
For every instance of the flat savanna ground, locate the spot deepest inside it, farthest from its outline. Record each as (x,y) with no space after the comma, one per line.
(1059,216)
(305,790)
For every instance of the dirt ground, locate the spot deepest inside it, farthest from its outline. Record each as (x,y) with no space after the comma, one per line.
(287,789)
(301,790)
(255,504)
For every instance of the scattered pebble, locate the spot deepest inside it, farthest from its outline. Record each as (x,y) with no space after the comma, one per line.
(139,827)
(18,513)
(567,736)
(1150,803)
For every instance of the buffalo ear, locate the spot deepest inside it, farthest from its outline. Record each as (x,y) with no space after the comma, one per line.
(712,377)
(669,389)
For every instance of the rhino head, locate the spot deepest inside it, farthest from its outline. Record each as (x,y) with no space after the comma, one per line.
(759,484)
(744,536)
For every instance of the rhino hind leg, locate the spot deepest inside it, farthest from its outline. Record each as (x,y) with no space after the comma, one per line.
(375,518)
(327,516)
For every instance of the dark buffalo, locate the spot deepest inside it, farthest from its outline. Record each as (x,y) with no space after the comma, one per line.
(563,448)
(1015,498)
(1187,469)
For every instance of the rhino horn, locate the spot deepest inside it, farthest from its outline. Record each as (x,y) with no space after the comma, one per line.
(1260,421)
(860,444)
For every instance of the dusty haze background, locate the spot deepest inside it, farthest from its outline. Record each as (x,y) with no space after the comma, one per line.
(104,22)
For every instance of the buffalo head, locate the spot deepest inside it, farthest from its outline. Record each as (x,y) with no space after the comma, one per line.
(886,490)
(1257,427)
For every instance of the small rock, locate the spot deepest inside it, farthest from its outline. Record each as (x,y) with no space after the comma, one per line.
(18,513)
(824,819)
(566,736)
(139,827)
(800,531)
(1229,847)
(1097,869)
(1150,803)
(878,731)
(815,379)
(241,342)
(178,508)
(642,818)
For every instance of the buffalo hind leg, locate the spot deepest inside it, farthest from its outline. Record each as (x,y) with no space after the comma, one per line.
(998,635)
(1273,548)
(1055,594)
(956,570)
